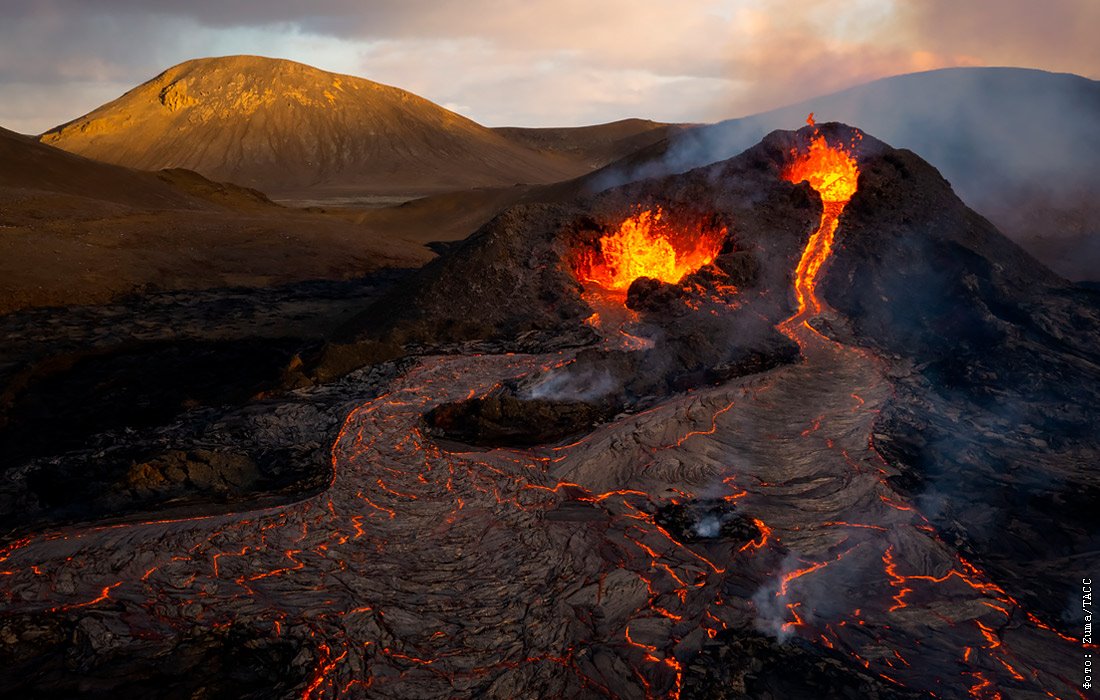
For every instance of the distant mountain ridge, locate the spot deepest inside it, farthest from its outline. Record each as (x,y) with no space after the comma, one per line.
(29,166)
(596,145)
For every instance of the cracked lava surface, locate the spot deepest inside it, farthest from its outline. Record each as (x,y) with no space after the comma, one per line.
(422,572)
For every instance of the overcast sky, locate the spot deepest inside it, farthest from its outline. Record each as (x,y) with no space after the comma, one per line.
(536,62)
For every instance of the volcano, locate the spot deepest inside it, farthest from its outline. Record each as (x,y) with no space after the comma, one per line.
(795,424)
(1016,145)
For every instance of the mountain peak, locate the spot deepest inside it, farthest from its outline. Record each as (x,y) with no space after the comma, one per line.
(249,83)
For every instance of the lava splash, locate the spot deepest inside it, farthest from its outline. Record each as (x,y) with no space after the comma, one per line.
(647,245)
(832,171)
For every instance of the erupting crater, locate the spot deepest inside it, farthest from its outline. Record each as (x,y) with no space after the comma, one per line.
(648,245)
(663,251)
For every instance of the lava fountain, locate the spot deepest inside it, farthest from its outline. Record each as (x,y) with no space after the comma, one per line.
(647,245)
(833,173)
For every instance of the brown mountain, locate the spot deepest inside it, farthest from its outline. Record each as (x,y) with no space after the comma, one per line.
(283,126)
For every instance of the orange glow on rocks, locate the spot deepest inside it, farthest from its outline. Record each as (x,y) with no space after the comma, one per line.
(833,173)
(647,245)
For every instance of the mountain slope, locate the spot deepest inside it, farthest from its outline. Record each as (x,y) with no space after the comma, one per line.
(26,165)
(1018,145)
(78,231)
(283,126)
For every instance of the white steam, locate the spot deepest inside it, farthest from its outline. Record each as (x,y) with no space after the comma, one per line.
(583,385)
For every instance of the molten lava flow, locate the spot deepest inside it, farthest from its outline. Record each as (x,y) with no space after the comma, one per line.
(832,172)
(647,246)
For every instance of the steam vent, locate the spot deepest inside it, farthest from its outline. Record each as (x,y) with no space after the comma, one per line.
(762,429)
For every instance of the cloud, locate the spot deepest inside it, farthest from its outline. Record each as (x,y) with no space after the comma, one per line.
(1058,35)
(542,62)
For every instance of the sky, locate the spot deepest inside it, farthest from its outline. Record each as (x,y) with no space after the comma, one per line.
(536,62)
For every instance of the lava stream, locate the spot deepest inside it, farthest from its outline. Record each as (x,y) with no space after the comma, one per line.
(833,173)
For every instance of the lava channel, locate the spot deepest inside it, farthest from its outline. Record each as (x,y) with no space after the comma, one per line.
(831,170)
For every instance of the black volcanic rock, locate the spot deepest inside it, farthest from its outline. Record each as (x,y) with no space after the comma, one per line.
(177,472)
(504,280)
(915,268)
(158,403)
(742,268)
(706,519)
(745,666)
(83,661)
(648,294)
(513,277)
(993,426)
(505,419)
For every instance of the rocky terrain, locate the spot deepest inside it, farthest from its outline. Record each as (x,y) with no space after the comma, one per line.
(159,402)
(764,479)
(995,411)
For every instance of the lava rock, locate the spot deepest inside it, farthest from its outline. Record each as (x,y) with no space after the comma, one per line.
(525,256)
(504,419)
(706,519)
(59,658)
(742,268)
(746,666)
(648,294)
(998,392)
(201,470)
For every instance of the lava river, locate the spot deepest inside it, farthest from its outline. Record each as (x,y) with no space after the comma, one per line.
(423,573)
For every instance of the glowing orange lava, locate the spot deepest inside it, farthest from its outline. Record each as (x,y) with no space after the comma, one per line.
(646,245)
(833,173)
